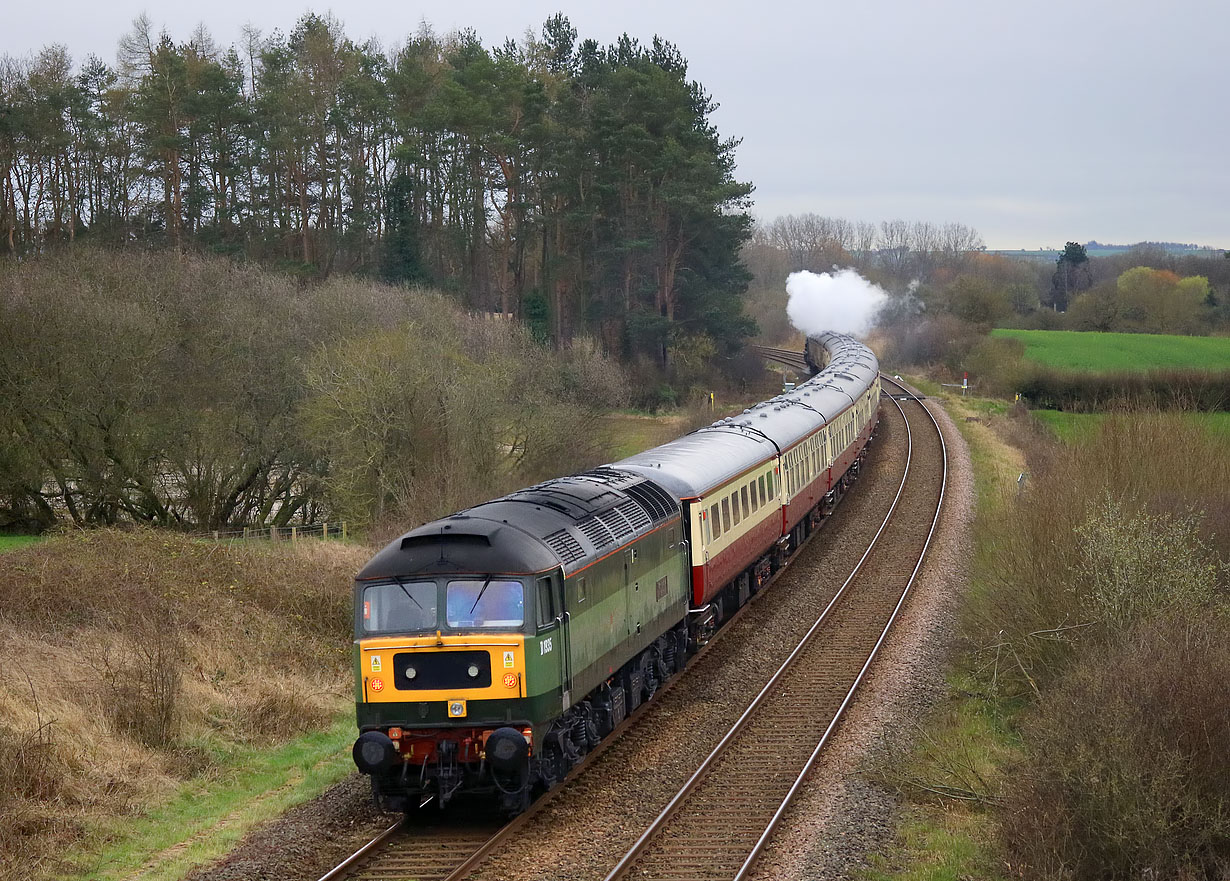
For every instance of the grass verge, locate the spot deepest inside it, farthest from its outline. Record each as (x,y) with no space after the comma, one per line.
(951,774)
(165,686)
(208,815)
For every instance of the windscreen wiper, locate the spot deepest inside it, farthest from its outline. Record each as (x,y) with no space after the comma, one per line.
(480,593)
(407,593)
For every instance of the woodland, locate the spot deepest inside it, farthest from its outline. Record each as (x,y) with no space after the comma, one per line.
(578,187)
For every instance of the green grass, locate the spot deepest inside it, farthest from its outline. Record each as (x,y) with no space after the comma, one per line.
(1097,352)
(1079,427)
(938,847)
(208,815)
(969,741)
(963,749)
(13,542)
(631,433)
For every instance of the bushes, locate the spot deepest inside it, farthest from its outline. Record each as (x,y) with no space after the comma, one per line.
(142,683)
(1050,389)
(190,392)
(1134,564)
(429,416)
(1127,773)
(1099,536)
(1103,609)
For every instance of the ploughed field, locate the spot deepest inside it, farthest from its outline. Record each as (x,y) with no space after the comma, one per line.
(1098,352)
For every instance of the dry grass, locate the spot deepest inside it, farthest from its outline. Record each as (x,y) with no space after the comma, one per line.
(129,659)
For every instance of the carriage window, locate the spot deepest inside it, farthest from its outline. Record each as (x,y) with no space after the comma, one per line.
(755,501)
(768,480)
(715,521)
(399,607)
(725,515)
(734,503)
(743,495)
(764,500)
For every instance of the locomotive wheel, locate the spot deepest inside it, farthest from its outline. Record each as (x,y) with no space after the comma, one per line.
(649,673)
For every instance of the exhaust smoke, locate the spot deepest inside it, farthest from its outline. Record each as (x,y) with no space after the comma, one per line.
(841,301)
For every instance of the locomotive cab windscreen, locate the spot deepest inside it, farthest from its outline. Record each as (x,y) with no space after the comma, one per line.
(456,605)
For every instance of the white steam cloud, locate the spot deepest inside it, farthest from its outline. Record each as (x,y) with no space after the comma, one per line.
(841,301)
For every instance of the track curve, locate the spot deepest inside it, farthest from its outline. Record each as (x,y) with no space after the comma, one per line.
(480,855)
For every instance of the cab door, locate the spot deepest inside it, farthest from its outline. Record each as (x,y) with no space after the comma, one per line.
(553,626)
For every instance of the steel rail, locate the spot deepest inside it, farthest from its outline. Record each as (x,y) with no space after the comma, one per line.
(672,807)
(777,816)
(338,870)
(784,356)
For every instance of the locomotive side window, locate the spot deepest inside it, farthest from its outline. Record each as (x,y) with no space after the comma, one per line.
(546,602)
(581,587)
(399,607)
(485,603)
(715,521)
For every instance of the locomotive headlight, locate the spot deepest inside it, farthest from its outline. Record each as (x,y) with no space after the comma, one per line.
(473,671)
(411,672)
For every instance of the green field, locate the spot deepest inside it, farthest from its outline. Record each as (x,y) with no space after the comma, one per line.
(1074,350)
(12,542)
(1073,427)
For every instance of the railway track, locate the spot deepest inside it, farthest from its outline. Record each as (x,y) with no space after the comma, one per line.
(788,357)
(721,819)
(424,853)
(704,831)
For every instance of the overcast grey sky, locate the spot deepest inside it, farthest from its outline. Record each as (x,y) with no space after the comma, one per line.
(1037,123)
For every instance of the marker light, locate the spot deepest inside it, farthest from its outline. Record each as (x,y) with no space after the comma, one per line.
(510,680)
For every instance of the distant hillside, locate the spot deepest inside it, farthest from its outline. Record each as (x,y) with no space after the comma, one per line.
(1098,249)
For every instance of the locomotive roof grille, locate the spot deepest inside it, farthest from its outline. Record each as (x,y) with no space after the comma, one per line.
(598,533)
(567,547)
(617,523)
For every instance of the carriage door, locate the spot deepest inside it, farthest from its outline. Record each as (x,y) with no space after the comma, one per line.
(553,626)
